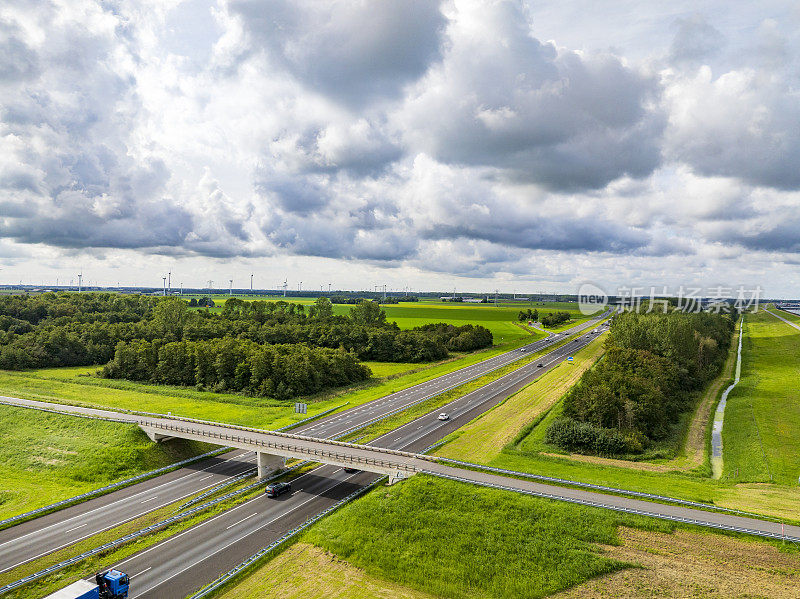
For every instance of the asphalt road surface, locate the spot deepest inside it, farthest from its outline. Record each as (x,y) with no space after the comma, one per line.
(38,537)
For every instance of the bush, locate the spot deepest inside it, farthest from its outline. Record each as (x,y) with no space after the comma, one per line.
(584,437)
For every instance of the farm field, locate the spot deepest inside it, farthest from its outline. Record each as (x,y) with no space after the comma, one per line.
(79,386)
(762,417)
(49,457)
(498,319)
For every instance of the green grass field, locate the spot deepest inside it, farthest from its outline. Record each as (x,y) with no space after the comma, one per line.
(49,457)
(486,440)
(455,540)
(498,319)
(762,418)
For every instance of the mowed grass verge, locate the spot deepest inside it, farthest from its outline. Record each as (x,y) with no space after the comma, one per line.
(482,439)
(452,539)
(762,418)
(48,457)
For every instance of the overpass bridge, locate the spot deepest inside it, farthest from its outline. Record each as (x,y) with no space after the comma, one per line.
(274,448)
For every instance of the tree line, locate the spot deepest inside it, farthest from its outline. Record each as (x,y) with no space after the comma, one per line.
(554,319)
(638,391)
(61,329)
(281,371)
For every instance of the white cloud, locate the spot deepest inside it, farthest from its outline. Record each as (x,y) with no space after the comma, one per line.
(433,141)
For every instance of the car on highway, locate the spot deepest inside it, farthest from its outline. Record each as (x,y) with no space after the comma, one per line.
(276,489)
(444,416)
(539,365)
(350,470)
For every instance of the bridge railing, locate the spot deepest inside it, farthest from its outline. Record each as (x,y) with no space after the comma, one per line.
(324,454)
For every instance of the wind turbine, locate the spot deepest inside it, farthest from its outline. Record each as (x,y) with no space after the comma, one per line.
(169,281)
(251,282)
(300,287)
(80,281)
(285,286)
(165,284)
(230,290)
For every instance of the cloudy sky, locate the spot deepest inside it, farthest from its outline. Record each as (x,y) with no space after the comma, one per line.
(469,144)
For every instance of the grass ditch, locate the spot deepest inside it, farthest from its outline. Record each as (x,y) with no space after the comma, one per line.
(522,454)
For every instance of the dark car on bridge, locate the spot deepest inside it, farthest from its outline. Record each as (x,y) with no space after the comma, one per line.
(276,489)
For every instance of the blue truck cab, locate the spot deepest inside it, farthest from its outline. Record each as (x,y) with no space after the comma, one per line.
(111,584)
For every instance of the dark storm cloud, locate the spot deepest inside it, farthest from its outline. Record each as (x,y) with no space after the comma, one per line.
(153,225)
(352,51)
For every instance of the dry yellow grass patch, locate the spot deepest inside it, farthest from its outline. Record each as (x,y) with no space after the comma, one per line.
(690,564)
(306,572)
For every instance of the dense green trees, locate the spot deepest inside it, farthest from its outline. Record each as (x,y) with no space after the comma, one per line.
(163,340)
(229,364)
(645,381)
(532,315)
(554,319)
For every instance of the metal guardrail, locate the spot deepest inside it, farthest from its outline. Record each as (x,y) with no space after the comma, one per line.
(310,418)
(573,483)
(111,487)
(139,533)
(222,580)
(67,413)
(618,508)
(250,442)
(217,488)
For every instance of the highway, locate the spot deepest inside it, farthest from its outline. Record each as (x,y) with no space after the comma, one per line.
(35,538)
(165,571)
(184,562)
(787,321)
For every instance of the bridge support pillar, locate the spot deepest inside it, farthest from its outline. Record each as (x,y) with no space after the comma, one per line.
(156,437)
(396,476)
(269,464)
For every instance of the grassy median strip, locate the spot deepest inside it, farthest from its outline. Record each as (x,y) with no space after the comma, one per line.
(382,427)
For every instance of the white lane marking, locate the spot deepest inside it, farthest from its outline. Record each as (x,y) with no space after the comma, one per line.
(151,499)
(142,572)
(240,538)
(242,520)
(110,505)
(76,528)
(52,549)
(170,539)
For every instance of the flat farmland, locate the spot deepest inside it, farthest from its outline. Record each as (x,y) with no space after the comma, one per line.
(500,319)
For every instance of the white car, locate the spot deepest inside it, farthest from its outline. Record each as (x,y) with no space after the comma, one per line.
(444,416)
